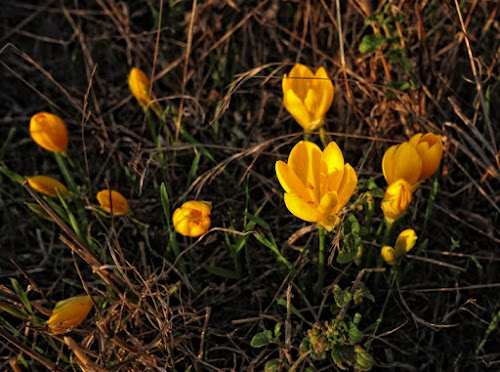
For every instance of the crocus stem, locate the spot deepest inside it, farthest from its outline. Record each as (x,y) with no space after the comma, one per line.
(68,177)
(321,264)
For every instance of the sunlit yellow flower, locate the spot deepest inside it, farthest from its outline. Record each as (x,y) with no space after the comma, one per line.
(388,254)
(430,149)
(402,161)
(396,199)
(307,96)
(49,132)
(69,313)
(405,242)
(317,184)
(192,218)
(47,185)
(139,86)
(113,200)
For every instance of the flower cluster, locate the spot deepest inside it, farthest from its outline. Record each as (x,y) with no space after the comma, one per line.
(405,166)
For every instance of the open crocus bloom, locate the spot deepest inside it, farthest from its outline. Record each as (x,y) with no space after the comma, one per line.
(317,184)
(430,149)
(402,161)
(307,96)
(112,200)
(192,218)
(396,199)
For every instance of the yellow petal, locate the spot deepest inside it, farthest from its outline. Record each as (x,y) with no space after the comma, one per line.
(305,160)
(407,164)
(328,203)
(388,254)
(388,164)
(415,139)
(405,242)
(311,102)
(285,84)
(300,80)
(69,313)
(49,132)
(296,107)
(112,200)
(396,199)
(202,206)
(47,185)
(347,186)
(302,209)
(324,89)
(139,85)
(289,180)
(430,149)
(332,157)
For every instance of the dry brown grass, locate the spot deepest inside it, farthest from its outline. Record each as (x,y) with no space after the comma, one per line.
(217,65)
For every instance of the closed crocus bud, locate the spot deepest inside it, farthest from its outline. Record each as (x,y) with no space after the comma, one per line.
(192,218)
(111,199)
(396,199)
(430,149)
(49,132)
(69,313)
(405,242)
(47,185)
(139,86)
(307,96)
(388,254)
(402,161)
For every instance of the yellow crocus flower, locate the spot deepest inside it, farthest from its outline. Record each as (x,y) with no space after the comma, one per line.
(388,254)
(402,161)
(47,185)
(405,242)
(69,313)
(317,184)
(139,86)
(307,96)
(49,132)
(430,149)
(396,199)
(192,218)
(112,199)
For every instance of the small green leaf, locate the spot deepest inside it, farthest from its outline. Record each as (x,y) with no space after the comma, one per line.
(371,42)
(21,294)
(355,335)
(277,330)
(272,365)
(346,255)
(262,339)
(454,244)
